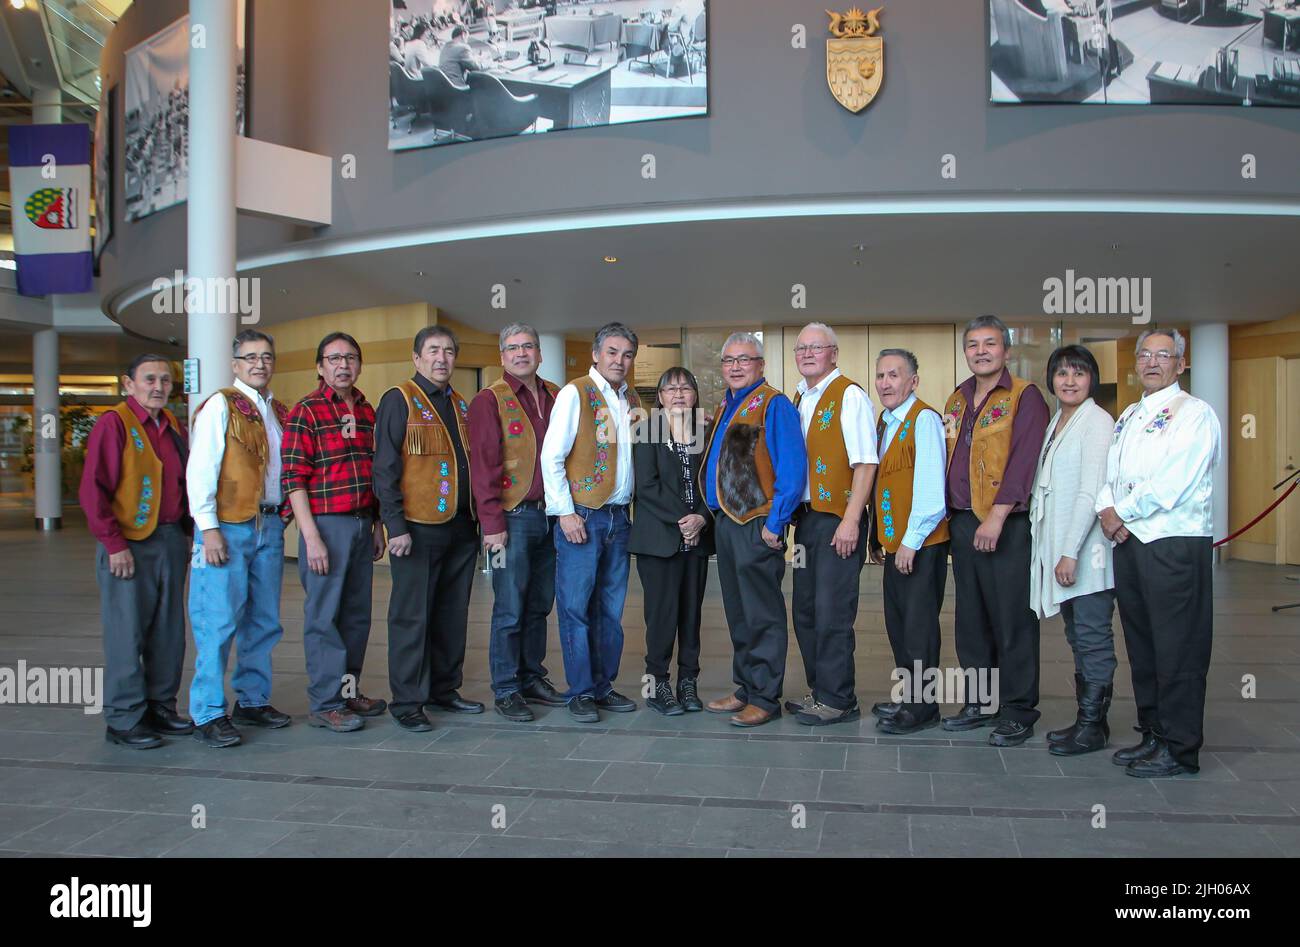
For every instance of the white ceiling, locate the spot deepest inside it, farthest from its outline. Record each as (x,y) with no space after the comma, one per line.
(914,268)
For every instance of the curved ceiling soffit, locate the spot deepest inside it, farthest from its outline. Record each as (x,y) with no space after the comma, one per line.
(706,211)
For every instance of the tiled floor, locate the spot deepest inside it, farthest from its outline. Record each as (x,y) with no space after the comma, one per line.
(635,784)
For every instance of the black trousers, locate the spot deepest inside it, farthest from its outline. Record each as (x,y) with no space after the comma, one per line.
(673,588)
(824,606)
(750,574)
(912,604)
(995,627)
(428,612)
(1166,605)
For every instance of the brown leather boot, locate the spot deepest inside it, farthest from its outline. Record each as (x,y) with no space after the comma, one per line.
(753,716)
(725,705)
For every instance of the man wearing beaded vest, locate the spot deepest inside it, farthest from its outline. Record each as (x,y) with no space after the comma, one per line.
(835,415)
(133,492)
(421,476)
(233,478)
(909,536)
(753,474)
(994,424)
(587,473)
(507,425)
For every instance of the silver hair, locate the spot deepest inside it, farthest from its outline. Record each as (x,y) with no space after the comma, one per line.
(823,327)
(515,328)
(1180,344)
(904,354)
(614,330)
(988,322)
(744,338)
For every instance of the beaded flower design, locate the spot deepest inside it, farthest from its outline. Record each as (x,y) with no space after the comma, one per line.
(887,516)
(996,413)
(424,412)
(601,465)
(136,442)
(1160,421)
(821,466)
(754,402)
(824,419)
(142,510)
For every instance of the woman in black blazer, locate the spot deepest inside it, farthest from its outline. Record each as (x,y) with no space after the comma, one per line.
(672,540)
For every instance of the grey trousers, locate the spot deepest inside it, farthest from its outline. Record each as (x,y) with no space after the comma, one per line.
(336,611)
(144,626)
(1088,629)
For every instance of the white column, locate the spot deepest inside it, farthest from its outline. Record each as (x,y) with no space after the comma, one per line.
(47,430)
(554,367)
(1210,373)
(47,106)
(211,220)
(47,425)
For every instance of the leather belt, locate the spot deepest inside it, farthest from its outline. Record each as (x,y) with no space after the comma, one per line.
(530,505)
(268,509)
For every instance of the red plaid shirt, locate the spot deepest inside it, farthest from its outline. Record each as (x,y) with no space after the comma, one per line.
(327,456)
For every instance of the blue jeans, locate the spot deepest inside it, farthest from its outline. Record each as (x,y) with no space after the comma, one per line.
(236,603)
(523,591)
(590,588)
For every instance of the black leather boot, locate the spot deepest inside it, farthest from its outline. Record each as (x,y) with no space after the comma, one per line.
(1056,736)
(1092,732)
(1150,743)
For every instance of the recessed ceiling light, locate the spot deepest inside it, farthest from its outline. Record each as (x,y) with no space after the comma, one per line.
(284,292)
(419,272)
(611,259)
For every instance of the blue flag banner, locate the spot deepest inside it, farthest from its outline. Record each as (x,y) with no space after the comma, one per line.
(49,181)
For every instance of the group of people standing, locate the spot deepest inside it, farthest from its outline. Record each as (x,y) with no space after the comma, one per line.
(1039,515)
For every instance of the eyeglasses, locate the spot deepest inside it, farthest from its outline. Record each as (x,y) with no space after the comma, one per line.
(742,360)
(1163,357)
(350,358)
(265,358)
(674,389)
(815,348)
(520,347)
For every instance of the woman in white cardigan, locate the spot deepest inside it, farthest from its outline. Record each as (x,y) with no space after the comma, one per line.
(1071,567)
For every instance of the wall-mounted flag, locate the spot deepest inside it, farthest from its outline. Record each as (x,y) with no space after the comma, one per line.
(49,177)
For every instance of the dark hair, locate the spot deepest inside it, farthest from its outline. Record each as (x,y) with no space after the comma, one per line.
(251,335)
(987,322)
(614,330)
(336,337)
(419,29)
(141,359)
(458,31)
(428,332)
(673,374)
(1074,356)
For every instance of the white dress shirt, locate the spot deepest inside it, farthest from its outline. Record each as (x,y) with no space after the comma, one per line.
(563,428)
(1159,470)
(857,421)
(208,447)
(929,504)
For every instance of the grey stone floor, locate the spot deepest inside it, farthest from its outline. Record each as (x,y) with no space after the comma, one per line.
(635,784)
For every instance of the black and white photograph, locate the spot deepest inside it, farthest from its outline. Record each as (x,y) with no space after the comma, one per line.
(465,70)
(1145,52)
(157,141)
(104,169)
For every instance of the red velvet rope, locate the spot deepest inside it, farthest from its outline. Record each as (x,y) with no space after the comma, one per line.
(1269,509)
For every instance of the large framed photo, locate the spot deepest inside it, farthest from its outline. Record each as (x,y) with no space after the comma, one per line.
(156,142)
(1145,52)
(105,125)
(466,70)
